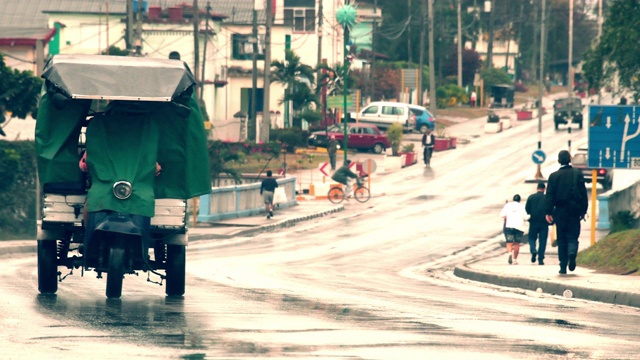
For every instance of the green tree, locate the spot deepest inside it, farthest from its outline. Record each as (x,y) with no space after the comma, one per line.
(296,77)
(494,77)
(19,92)
(616,51)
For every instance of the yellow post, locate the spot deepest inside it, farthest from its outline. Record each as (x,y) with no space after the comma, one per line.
(594,181)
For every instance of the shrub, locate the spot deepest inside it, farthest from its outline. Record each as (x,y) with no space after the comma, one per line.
(17,189)
(394,133)
(408,147)
(520,87)
(449,95)
(290,138)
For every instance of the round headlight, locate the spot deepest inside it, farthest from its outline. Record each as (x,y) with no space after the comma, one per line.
(122,190)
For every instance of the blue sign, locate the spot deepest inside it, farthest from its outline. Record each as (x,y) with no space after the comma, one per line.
(614,140)
(538,157)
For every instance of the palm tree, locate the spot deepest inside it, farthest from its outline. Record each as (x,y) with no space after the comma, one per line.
(297,79)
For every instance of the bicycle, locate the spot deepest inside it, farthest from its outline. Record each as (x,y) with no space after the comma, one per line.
(361,193)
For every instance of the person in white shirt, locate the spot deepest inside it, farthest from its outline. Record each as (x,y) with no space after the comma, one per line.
(515,216)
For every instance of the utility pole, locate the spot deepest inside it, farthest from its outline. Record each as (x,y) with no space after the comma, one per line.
(319,58)
(204,50)
(570,60)
(460,43)
(129,41)
(432,65)
(196,46)
(409,49)
(423,32)
(373,50)
(534,45)
(254,79)
(266,106)
(539,175)
(490,42)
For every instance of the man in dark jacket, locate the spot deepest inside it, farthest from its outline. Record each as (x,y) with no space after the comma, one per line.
(428,142)
(538,225)
(267,188)
(332,150)
(560,209)
(342,176)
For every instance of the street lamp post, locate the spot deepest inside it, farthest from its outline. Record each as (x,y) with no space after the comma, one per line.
(539,175)
(346,17)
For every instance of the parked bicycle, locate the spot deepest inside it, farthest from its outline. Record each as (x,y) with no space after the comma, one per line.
(361,193)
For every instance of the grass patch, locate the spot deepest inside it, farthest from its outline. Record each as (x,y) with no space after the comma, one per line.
(618,253)
(301,160)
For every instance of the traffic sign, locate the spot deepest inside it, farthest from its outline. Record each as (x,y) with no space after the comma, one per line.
(538,157)
(614,140)
(338,101)
(322,168)
(369,166)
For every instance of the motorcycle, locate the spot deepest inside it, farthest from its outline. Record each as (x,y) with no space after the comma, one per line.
(138,124)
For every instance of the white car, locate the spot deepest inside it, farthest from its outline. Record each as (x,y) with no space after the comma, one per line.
(383,114)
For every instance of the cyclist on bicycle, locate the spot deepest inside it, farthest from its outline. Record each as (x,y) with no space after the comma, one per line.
(428,141)
(342,176)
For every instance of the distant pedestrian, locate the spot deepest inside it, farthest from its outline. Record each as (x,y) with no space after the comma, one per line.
(473,99)
(566,204)
(332,149)
(267,189)
(515,215)
(428,142)
(538,225)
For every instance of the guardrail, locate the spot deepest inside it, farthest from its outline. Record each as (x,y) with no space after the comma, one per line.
(236,201)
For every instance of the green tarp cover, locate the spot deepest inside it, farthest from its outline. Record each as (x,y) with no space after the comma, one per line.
(121,145)
(57,134)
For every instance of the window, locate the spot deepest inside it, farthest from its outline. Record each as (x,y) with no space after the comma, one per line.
(368,131)
(371,110)
(243,47)
(416,112)
(392,110)
(301,19)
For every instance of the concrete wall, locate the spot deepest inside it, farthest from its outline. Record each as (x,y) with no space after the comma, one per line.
(627,199)
(240,201)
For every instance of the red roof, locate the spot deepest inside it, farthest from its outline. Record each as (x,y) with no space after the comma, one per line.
(27,37)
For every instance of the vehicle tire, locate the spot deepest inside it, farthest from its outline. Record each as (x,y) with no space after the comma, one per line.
(47,267)
(116,273)
(335,195)
(361,194)
(580,124)
(423,128)
(378,148)
(556,125)
(176,270)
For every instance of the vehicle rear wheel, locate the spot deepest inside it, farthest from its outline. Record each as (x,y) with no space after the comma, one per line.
(176,269)
(423,128)
(47,267)
(556,125)
(336,195)
(362,194)
(116,273)
(378,148)
(580,124)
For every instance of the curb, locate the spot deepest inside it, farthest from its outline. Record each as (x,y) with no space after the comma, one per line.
(270,227)
(549,287)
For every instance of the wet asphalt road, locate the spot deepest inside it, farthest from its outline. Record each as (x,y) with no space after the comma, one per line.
(371,282)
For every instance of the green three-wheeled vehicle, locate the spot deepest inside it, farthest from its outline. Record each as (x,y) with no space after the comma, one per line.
(121,148)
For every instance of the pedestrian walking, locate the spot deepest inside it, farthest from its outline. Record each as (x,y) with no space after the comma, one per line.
(566,204)
(332,150)
(515,215)
(428,142)
(473,99)
(538,225)
(267,188)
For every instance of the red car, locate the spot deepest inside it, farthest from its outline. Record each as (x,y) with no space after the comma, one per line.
(360,136)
